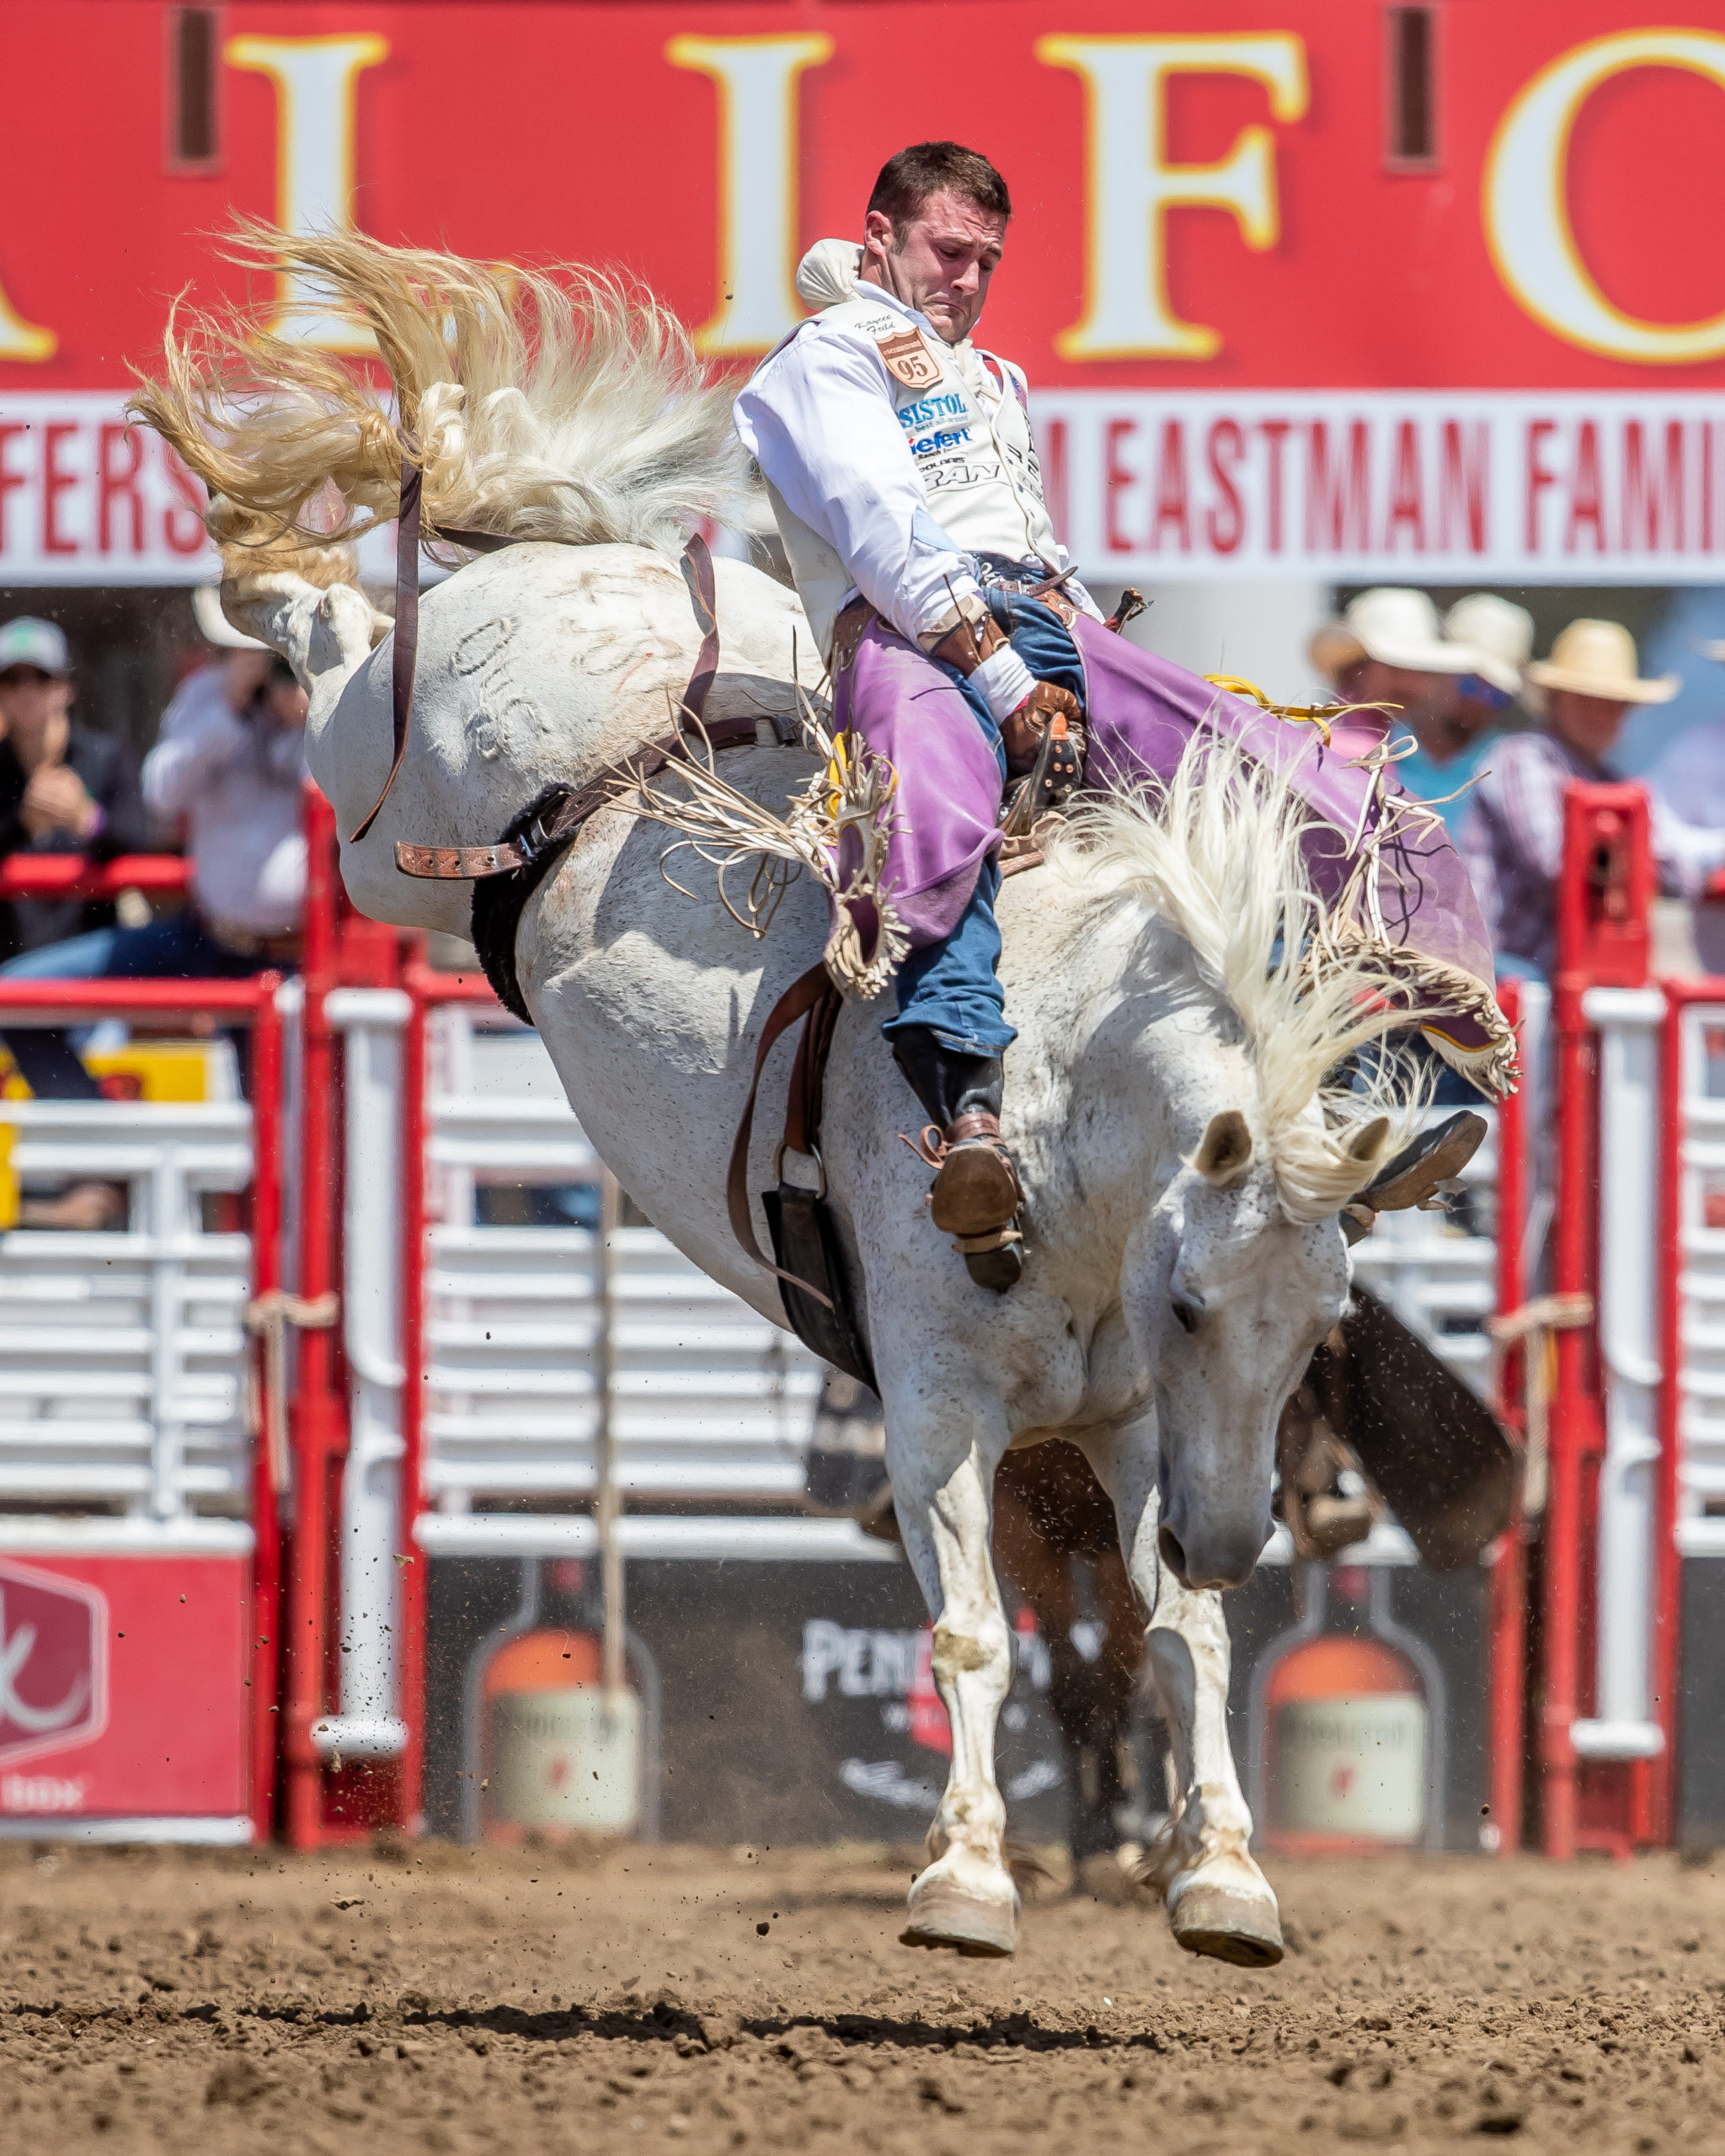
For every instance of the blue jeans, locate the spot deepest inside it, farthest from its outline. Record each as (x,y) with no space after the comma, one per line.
(177,948)
(954,987)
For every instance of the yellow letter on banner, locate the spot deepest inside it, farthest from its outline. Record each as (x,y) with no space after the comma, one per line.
(1132,186)
(757,81)
(314,79)
(1526,208)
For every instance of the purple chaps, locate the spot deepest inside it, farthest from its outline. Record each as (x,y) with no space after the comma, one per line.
(1142,712)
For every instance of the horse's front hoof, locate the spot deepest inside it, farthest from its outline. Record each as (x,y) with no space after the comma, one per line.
(945,1913)
(1243,1929)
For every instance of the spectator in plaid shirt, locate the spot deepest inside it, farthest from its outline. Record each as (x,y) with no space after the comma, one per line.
(1512,837)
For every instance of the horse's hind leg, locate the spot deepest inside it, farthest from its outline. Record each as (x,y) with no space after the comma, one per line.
(942,1478)
(1218,1900)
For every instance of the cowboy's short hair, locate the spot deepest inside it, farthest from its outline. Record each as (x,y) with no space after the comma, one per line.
(907,181)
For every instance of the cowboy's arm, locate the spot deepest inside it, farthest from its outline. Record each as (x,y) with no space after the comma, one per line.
(819,420)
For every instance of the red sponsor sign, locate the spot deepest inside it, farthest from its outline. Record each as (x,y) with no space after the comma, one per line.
(1377,207)
(53,1663)
(122,1687)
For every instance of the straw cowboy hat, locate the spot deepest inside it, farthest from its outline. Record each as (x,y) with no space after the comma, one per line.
(1395,627)
(1497,633)
(1597,658)
(214,625)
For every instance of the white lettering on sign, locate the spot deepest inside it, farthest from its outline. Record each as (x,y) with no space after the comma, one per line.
(315,80)
(1526,199)
(864,1664)
(1131,187)
(87,498)
(1420,486)
(758,192)
(40,1793)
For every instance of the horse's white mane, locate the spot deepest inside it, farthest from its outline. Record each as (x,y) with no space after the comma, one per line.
(561,406)
(1216,855)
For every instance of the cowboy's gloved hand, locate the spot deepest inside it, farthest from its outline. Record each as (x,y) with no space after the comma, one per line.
(1018,703)
(1022,727)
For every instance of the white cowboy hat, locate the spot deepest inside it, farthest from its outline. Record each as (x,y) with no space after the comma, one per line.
(1395,627)
(1597,658)
(1497,633)
(214,625)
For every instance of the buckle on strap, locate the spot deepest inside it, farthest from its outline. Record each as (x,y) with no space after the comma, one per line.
(532,839)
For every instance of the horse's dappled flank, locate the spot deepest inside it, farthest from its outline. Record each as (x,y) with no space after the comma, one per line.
(562,405)
(1216,855)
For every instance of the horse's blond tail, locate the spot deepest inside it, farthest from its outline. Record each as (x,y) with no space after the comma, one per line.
(539,406)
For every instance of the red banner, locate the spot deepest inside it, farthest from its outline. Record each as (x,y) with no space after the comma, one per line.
(1316,197)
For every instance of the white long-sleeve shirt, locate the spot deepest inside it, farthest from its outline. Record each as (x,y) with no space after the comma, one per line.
(897,483)
(237,782)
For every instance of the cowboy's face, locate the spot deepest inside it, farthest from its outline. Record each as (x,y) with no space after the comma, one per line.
(939,261)
(1421,699)
(1589,724)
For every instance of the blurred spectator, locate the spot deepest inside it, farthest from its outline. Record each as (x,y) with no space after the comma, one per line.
(1688,781)
(1498,637)
(63,788)
(1689,777)
(1386,647)
(229,765)
(1512,838)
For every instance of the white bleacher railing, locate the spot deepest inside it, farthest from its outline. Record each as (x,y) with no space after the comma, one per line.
(123,1356)
(708,1400)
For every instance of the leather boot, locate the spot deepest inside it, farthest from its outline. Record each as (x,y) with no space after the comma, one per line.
(976,1194)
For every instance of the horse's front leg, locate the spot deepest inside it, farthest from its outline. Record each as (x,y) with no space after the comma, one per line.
(943,1475)
(1218,1902)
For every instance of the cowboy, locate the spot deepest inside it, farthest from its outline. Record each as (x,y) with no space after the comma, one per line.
(1512,839)
(899,463)
(1386,654)
(1499,635)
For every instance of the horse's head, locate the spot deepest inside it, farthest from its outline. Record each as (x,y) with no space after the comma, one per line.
(1232,1295)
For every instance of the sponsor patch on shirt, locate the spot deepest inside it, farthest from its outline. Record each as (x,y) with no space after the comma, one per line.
(909,360)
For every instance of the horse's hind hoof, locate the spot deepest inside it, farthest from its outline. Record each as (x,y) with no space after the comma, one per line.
(944,1914)
(1237,1928)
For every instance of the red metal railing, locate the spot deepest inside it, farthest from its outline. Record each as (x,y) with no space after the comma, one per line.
(70,876)
(320,1422)
(1506,1707)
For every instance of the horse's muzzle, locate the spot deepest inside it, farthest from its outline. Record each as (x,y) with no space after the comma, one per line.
(1221,1558)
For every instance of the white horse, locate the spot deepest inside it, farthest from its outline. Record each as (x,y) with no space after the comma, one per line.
(1184,1164)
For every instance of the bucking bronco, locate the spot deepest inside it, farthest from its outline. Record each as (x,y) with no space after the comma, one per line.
(1190,981)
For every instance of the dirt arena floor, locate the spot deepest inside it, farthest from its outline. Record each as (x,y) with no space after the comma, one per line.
(426,1999)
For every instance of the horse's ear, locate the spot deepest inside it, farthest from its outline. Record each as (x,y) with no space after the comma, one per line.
(1367,1142)
(1225,1152)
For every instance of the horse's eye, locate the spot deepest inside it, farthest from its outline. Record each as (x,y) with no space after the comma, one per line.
(1186,1314)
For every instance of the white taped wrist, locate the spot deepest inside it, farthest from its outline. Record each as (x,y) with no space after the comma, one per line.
(1005,681)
